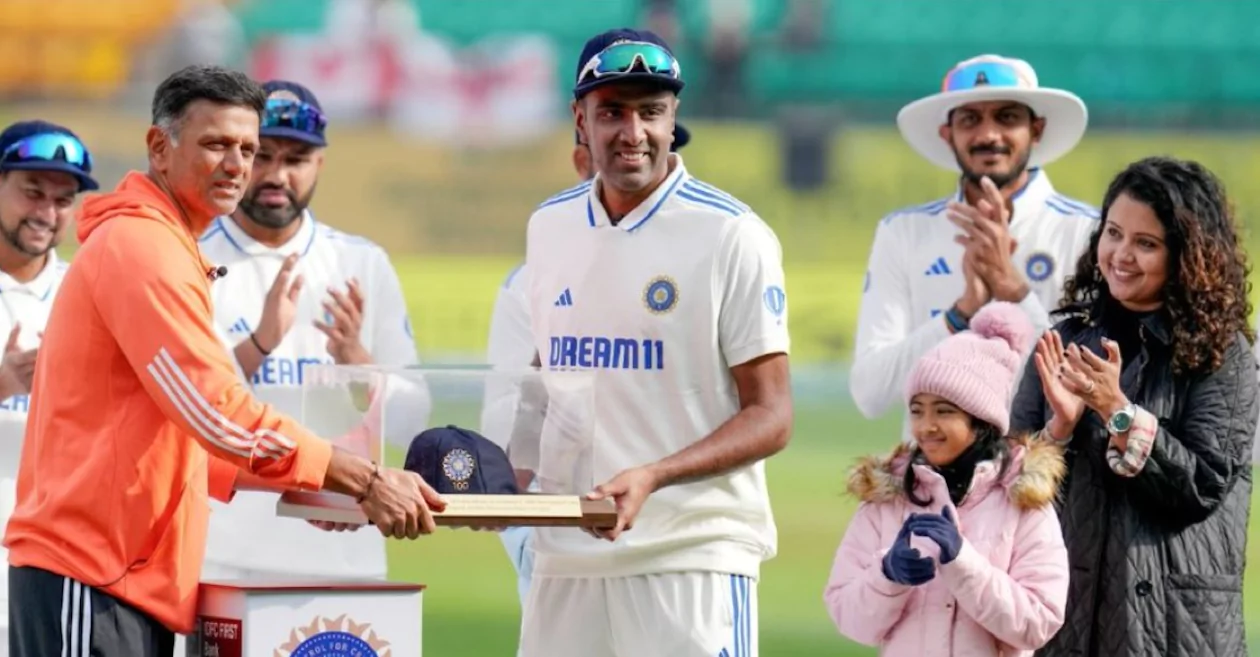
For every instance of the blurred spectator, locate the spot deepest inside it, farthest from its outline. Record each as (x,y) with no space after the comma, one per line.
(358,23)
(662,18)
(802,26)
(205,32)
(726,46)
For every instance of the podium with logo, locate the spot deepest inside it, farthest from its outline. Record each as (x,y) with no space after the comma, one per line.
(307,618)
(503,447)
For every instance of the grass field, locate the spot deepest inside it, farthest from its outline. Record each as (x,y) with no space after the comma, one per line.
(471,607)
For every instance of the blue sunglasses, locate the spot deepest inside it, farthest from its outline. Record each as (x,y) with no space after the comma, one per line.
(983,74)
(50,147)
(629,57)
(281,113)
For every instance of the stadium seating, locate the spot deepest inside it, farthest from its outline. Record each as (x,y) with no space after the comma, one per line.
(1117,51)
(1120,51)
(81,48)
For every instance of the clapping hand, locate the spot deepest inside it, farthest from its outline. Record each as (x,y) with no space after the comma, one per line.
(987,237)
(940,529)
(345,321)
(17,368)
(1051,361)
(279,306)
(1094,380)
(903,564)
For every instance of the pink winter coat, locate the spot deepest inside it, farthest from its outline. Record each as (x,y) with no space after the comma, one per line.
(1005,592)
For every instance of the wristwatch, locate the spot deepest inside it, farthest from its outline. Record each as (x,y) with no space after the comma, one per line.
(1122,420)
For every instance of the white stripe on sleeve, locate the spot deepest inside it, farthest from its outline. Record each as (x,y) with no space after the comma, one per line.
(209,423)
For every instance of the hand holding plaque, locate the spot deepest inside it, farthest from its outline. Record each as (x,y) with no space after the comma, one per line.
(473,476)
(480,486)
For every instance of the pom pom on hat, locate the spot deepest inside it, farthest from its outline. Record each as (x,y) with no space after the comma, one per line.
(1005,321)
(976,369)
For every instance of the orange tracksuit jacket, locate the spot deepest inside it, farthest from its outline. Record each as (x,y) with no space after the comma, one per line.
(133,399)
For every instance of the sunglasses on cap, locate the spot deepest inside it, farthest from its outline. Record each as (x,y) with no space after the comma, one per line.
(282,113)
(50,147)
(631,57)
(984,74)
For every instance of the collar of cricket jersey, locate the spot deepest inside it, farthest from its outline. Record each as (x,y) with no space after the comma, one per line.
(597,215)
(300,243)
(40,286)
(1029,201)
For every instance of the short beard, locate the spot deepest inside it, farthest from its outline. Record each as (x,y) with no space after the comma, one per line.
(1001,180)
(276,218)
(15,240)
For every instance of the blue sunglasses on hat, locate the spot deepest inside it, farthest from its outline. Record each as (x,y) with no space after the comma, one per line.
(51,151)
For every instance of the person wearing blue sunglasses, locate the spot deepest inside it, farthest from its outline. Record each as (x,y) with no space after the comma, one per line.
(1005,233)
(300,293)
(43,168)
(671,291)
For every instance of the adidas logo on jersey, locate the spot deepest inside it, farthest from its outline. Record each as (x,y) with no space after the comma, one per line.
(566,299)
(241,326)
(939,268)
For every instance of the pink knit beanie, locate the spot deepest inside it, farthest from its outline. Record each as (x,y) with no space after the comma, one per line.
(976,369)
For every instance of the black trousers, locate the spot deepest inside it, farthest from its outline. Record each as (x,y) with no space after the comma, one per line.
(51,616)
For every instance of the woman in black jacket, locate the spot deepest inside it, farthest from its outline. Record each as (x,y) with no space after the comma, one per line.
(1154,399)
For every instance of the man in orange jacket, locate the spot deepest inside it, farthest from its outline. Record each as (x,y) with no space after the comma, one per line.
(137,414)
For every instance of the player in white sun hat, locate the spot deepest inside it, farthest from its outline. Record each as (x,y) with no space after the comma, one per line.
(1005,234)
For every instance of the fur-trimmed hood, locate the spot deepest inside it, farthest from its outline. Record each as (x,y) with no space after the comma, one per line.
(1031,481)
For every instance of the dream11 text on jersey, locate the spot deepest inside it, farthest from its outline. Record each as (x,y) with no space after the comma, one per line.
(606,353)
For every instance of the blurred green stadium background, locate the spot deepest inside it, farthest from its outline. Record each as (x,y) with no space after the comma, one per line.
(798,124)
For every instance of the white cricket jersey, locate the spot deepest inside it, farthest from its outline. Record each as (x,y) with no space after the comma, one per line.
(28,304)
(246,533)
(660,306)
(510,347)
(915,274)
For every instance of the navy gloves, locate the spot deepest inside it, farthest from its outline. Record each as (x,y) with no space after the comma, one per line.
(940,529)
(904,565)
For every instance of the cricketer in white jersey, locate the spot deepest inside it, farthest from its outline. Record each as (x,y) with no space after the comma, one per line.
(43,166)
(672,292)
(314,299)
(246,534)
(510,346)
(991,121)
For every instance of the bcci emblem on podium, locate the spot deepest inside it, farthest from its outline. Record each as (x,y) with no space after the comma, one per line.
(334,637)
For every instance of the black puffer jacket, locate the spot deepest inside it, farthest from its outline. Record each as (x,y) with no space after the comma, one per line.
(1157,559)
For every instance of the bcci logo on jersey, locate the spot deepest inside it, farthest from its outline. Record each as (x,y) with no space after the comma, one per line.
(333,637)
(661,295)
(572,351)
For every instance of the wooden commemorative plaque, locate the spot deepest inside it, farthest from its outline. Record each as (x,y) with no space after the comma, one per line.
(466,510)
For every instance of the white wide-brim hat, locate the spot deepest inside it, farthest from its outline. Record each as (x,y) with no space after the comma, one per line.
(993,77)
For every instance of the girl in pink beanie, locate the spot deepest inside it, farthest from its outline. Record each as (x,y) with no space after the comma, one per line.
(955,548)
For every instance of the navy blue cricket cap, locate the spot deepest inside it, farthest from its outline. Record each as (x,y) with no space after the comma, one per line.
(44,146)
(454,460)
(599,42)
(682,137)
(305,125)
